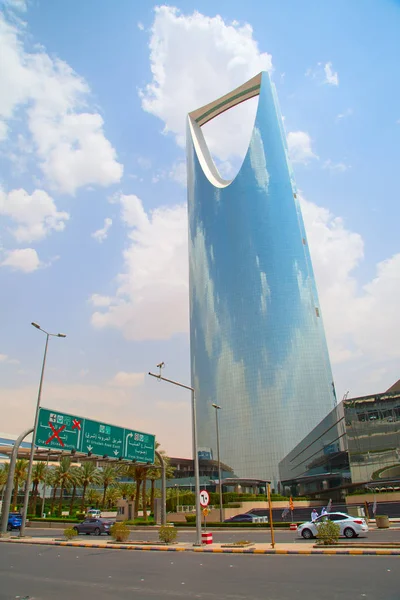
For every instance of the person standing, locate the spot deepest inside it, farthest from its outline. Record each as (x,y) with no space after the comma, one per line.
(323,512)
(314,515)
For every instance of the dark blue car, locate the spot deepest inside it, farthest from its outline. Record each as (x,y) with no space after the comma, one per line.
(14,521)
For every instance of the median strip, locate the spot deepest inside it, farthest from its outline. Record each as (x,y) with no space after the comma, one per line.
(281,549)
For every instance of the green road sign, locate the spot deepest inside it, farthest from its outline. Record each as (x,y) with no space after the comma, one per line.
(103,440)
(139,446)
(70,432)
(58,430)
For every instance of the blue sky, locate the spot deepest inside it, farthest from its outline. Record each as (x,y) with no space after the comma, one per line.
(93,98)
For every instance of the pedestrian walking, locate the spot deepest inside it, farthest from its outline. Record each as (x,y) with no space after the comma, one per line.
(314,515)
(323,512)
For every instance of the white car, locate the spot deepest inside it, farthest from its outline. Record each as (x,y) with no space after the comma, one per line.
(94,513)
(350,527)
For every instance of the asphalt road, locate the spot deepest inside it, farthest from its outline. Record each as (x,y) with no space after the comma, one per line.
(46,573)
(227,536)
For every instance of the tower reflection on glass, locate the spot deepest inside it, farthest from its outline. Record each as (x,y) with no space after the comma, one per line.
(258,344)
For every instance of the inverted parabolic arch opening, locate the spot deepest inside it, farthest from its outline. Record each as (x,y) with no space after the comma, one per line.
(203,115)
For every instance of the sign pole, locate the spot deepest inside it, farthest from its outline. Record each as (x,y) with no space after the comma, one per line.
(29,474)
(195,451)
(270,517)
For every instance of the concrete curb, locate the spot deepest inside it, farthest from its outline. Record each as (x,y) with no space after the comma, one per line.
(155,548)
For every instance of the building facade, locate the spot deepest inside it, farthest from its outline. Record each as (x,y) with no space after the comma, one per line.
(357,445)
(258,346)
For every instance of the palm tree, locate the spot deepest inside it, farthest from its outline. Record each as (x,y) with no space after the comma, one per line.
(75,481)
(108,476)
(20,473)
(112,496)
(138,474)
(39,472)
(126,490)
(64,478)
(93,497)
(89,475)
(3,475)
(155,473)
(54,481)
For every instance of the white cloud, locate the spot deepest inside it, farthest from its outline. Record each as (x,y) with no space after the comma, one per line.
(183,81)
(22,259)
(135,408)
(69,140)
(102,234)
(100,301)
(299,145)
(124,379)
(4,358)
(20,5)
(151,300)
(36,215)
(345,114)
(140,26)
(178,173)
(331,77)
(339,167)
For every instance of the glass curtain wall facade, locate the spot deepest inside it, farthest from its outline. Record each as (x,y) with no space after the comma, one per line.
(258,346)
(373,433)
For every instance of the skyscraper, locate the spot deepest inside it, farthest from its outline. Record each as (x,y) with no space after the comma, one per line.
(258,345)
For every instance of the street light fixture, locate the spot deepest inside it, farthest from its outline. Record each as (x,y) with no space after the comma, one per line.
(195,451)
(221,516)
(29,473)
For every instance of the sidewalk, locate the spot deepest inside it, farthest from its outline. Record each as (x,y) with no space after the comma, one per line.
(280,549)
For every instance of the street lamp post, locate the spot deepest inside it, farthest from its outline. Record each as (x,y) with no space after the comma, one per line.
(29,474)
(177,496)
(221,516)
(195,452)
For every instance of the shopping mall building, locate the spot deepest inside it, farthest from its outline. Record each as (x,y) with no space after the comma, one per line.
(356,446)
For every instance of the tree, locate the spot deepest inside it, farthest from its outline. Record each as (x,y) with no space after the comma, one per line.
(39,472)
(154,473)
(75,482)
(21,467)
(112,496)
(3,476)
(138,474)
(53,480)
(93,497)
(108,476)
(64,477)
(89,475)
(126,491)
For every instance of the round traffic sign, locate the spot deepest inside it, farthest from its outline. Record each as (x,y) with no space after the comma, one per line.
(204,498)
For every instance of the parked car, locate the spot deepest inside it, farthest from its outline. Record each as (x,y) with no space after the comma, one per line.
(14,521)
(350,527)
(94,513)
(95,526)
(244,518)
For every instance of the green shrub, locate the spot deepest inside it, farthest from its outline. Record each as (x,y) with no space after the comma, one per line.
(190,518)
(70,533)
(120,531)
(328,533)
(167,534)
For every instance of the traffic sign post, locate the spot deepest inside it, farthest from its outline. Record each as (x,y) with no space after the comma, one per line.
(58,430)
(204,498)
(139,446)
(71,432)
(102,440)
